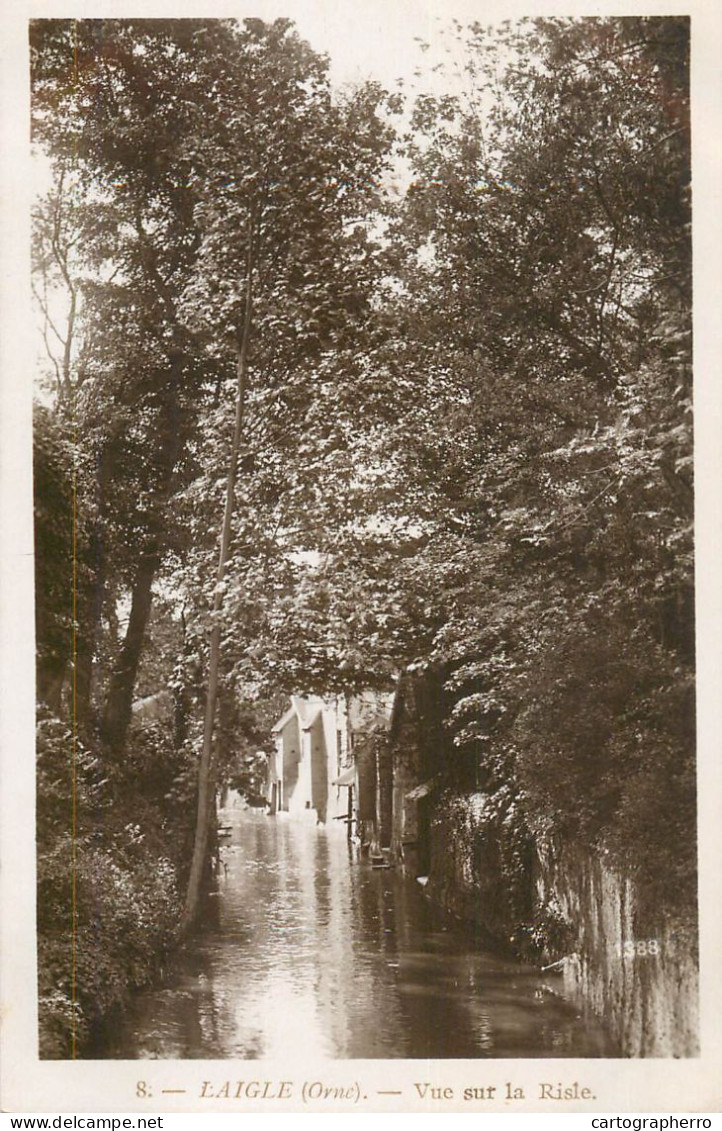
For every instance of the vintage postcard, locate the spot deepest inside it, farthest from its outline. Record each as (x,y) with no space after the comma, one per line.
(360,610)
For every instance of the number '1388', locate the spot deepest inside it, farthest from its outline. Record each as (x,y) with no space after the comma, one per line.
(638,948)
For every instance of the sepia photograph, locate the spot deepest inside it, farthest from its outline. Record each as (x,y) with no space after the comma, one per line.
(363,506)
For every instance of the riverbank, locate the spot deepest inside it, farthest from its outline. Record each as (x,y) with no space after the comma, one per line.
(307,945)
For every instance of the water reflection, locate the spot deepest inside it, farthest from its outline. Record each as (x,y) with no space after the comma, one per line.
(308,950)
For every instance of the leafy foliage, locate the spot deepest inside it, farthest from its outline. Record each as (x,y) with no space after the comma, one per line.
(464,442)
(554,226)
(107,891)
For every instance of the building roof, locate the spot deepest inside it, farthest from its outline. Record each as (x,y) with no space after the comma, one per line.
(367,712)
(346,777)
(305,710)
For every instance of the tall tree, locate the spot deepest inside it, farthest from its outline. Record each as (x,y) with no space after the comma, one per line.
(547,233)
(109,110)
(283,285)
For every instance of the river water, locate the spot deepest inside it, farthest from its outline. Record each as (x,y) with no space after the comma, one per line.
(306,948)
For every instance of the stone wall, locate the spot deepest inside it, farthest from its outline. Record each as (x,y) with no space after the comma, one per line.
(630,962)
(630,967)
(636,972)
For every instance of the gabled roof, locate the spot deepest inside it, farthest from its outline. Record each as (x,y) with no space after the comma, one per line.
(305,710)
(290,713)
(311,718)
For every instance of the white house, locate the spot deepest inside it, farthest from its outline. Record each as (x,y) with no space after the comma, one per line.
(311,753)
(312,773)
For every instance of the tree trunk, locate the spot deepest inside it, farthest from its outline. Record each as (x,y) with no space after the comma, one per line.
(90,605)
(84,652)
(206,768)
(119,701)
(50,681)
(118,708)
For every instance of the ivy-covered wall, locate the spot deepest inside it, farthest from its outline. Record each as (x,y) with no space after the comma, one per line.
(481,864)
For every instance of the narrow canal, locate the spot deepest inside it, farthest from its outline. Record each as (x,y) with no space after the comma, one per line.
(308,949)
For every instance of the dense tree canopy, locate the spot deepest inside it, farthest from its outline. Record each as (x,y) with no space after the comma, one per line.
(447,428)
(555,294)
